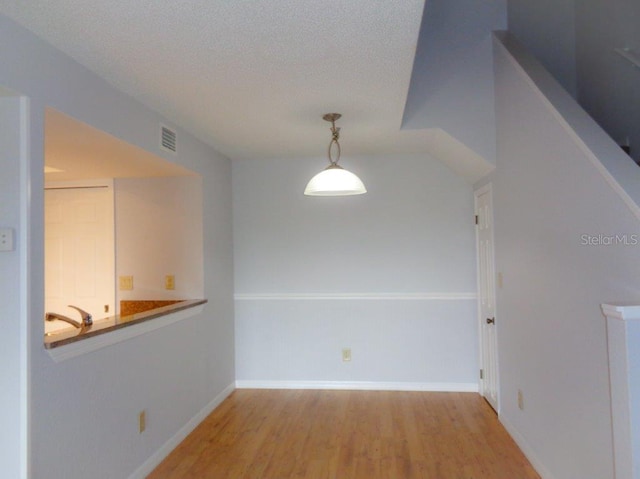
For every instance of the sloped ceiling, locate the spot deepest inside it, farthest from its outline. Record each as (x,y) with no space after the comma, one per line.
(253,79)
(452,81)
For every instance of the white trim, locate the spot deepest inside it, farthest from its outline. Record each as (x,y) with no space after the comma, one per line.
(355,296)
(157,457)
(629,312)
(621,376)
(526,449)
(24,245)
(78,348)
(359,385)
(488,188)
(482,190)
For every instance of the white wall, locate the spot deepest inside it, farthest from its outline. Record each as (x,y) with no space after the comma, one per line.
(452,79)
(158,223)
(12,439)
(84,411)
(549,190)
(354,260)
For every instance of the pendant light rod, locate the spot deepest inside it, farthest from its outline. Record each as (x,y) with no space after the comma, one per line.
(335,136)
(334,180)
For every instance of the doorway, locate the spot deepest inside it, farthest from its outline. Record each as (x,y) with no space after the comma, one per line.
(487,296)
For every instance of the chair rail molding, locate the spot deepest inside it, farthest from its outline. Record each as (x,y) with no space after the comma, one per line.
(444,296)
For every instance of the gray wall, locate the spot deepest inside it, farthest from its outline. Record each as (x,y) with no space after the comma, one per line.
(609,85)
(452,80)
(84,411)
(550,190)
(576,41)
(547,28)
(315,275)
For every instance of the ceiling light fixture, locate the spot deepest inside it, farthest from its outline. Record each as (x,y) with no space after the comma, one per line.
(334,180)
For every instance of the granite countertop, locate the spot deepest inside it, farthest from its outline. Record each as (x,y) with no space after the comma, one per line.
(112,323)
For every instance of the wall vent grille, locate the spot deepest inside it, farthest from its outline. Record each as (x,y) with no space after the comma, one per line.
(168,139)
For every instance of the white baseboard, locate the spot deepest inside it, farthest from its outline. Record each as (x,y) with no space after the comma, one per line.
(150,464)
(526,449)
(359,385)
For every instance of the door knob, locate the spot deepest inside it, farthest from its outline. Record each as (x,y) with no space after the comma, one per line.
(491,320)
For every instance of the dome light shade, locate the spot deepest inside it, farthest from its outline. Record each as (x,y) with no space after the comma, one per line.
(334,181)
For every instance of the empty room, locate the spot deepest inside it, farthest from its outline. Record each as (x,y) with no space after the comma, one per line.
(340,239)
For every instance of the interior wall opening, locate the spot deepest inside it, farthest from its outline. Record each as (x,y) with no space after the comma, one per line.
(123,227)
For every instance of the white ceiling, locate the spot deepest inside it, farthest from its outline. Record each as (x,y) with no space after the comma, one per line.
(253,78)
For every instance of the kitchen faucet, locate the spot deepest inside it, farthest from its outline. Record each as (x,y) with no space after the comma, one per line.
(86,318)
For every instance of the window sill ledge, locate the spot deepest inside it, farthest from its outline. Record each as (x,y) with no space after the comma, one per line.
(105,332)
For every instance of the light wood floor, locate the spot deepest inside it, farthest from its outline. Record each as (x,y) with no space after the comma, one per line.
(346,435)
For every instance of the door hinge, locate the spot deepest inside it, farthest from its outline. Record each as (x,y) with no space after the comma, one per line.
(482,374)
(476,219)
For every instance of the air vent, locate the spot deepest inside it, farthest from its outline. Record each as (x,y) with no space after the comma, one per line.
(168,139)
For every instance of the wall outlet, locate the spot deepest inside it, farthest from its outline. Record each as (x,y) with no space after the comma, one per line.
(169,282)
(6,239)
(346,354)
(125,283)
(142,421)
(500,281)
(520,400)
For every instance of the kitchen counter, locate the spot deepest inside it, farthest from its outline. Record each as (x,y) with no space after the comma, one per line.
(113,323)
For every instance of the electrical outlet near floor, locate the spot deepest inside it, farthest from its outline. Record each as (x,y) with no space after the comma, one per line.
(142,421)
(346,354)
(169,282)
(520,400)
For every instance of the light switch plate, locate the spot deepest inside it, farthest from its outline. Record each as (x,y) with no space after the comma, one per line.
(6,239)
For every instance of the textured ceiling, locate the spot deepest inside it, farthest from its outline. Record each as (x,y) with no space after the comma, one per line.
(250,78)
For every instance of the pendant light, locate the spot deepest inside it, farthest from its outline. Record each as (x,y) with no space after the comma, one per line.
(334,180)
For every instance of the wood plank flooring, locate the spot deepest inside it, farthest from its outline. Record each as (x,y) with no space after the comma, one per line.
(281,434)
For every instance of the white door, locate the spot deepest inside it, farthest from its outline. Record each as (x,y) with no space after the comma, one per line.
(487,297)
(79,252)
